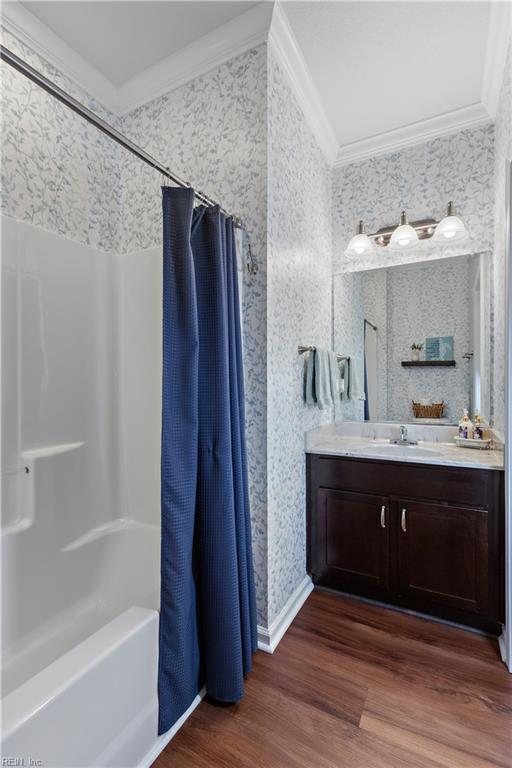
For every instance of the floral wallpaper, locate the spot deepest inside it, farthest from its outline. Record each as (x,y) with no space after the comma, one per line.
(421,179)
(213,133)
(298,312)
(348,329)
(230,132)
(57,171)
(503,153)
(409,303)
(429,299)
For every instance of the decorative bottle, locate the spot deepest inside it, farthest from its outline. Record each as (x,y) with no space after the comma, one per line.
(465,426)
(478,430)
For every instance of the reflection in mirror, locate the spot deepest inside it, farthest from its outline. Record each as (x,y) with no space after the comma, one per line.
(422,332)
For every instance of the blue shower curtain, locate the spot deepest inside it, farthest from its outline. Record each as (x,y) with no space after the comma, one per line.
(207,613)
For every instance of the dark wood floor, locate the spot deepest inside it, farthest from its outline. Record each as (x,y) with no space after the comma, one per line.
(353,685)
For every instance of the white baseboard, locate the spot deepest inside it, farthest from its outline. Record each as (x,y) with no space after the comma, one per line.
(268,639)
(163,740)
(502,642)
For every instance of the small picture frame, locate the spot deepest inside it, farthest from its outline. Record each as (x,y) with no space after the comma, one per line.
(439,348)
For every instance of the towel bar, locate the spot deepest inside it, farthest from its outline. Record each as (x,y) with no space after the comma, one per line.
(302,350)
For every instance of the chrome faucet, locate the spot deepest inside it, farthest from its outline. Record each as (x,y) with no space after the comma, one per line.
(403,439)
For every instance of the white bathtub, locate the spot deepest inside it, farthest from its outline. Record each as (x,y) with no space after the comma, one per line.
(96,705)
(80,687)
(74,591)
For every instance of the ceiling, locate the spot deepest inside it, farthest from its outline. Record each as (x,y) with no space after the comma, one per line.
(121,39)
(370,76)
(379,66)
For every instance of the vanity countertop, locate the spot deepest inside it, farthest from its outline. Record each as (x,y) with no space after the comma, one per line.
(329,442)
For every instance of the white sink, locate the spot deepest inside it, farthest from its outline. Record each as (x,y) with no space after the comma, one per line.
(401,450)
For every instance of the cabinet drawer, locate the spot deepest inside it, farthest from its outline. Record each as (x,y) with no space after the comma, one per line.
(457,485)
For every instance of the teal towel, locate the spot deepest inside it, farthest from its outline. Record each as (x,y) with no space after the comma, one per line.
(356,379)
(326,377)
(334,374)
(321,378)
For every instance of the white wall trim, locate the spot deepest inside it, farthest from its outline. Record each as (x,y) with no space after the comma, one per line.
(237,36)
(416,133)
(289,55)
(40,38)
(163,740)
(222,44)
(502,645)
(498,39)
(506,643)
(266,21)
(268,639)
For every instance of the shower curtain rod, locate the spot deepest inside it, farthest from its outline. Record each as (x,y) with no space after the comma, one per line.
(64,97)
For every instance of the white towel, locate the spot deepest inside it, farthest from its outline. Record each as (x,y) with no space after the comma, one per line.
(323,390)
(356,379)
(334,373)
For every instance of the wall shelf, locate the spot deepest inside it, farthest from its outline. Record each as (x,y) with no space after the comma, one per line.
(427,363)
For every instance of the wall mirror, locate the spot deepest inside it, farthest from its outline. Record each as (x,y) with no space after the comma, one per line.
(422,333)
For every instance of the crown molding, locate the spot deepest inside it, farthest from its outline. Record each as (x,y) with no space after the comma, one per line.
(416,133)
(289,55)
(222,44)
(498,38)
(265,22)
(39,38)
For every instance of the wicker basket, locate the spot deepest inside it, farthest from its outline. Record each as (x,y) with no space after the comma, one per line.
(433,411)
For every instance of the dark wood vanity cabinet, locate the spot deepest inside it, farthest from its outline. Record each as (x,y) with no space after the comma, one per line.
(424,537)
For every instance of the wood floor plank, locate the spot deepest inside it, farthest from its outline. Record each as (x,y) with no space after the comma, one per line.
(406,659)
(442,720)
(430,749)
(404,625)
(328,691)
(354,685)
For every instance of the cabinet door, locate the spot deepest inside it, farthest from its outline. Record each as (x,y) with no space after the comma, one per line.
(352,539)
(443,555)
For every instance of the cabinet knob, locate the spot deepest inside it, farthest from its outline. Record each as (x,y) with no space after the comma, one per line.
(403,520)
(383,516)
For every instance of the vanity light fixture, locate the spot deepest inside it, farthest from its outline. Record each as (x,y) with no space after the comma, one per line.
(360,244)
(451,228)
(407,235)
(404,235)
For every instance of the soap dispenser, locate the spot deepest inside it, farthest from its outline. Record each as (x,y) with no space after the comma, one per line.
(481,427)
(478,430)
(465,426)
